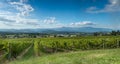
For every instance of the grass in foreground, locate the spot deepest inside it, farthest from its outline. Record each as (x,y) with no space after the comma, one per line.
(109,56)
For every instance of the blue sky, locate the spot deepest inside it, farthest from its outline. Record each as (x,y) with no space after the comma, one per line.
(22,14)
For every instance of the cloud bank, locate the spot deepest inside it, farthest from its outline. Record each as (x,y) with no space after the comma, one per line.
(83,23)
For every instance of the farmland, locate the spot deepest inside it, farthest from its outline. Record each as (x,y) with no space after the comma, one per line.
(107,56)
(11,49)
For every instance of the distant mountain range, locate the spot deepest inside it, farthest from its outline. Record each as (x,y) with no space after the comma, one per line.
(62,29)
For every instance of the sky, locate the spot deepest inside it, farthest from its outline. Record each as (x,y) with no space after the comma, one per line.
(32,14)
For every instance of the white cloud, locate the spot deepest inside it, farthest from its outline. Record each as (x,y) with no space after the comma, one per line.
(18,17)
(4,13)
(24,9)
(50,20)
(114,6)
(84,23)
(12,19)
(16,14)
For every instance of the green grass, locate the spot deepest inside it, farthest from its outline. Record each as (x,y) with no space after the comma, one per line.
(108,56)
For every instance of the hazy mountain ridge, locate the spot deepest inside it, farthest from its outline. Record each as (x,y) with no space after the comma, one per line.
(62,29)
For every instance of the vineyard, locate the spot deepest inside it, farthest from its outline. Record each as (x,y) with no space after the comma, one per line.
(11,49)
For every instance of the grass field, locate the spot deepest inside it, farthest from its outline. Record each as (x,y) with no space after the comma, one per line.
(107,56)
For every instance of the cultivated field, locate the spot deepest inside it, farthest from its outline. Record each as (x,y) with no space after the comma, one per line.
(108,56)
(25,48)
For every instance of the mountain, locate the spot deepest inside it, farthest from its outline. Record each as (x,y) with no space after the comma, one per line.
(54,30)
(83,29)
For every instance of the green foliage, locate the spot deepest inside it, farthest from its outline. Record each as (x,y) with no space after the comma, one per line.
(13,47)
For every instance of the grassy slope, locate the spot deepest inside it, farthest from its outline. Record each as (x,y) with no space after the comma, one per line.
(111,56)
